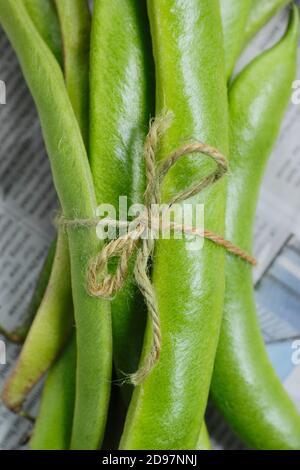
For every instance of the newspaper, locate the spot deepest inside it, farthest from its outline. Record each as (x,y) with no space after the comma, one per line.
(28,202)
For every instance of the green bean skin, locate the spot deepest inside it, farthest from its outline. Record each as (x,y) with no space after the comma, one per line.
(120,110)
(261,12)
(53,426)
(44,17)
(74,17)
(76,193)
(235,15)
(245,386)
(168,406)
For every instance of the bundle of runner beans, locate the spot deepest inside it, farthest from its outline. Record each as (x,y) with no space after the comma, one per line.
(168,323)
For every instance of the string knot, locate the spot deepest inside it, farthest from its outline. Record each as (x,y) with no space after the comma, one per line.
(142,232)
(102,284)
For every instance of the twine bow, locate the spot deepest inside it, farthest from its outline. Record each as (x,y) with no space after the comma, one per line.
(101,284)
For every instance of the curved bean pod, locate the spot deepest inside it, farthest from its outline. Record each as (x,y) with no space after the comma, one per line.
(245,386)
(44,17)
(46,337)
(53,321)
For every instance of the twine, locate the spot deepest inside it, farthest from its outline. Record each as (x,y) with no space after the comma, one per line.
(124,246)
